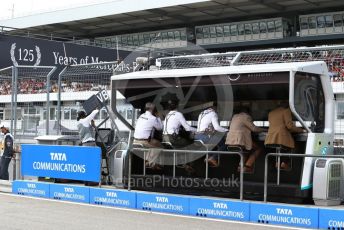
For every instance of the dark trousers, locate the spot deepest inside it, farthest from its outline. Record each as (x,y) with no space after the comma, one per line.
(217,139)
(5,162)
(177,141)
(183,143)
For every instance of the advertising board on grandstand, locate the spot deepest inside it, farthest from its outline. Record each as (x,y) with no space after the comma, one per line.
(17,50)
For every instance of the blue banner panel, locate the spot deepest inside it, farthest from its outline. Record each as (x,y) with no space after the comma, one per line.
(331,218)
(29,188)
(216,208)
(111,197)
(70,193)
(306,217)
(64,162)
(163,203)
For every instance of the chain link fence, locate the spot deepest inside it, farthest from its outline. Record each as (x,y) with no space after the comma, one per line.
(24,105)
(6,94)
(25,99)
(76,84)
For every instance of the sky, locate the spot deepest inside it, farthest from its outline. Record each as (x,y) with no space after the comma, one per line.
(17,8)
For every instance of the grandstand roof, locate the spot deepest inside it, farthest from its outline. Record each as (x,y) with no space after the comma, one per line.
(123,16)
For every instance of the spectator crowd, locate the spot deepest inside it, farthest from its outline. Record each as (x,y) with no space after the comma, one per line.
(35,86)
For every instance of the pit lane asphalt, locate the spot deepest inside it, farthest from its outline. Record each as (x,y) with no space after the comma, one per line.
(18,212)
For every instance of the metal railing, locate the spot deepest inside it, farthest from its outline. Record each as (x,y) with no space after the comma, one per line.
(175,151)
(288,155)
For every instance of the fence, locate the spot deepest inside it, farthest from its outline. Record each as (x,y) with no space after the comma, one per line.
(76,83)
(25,96)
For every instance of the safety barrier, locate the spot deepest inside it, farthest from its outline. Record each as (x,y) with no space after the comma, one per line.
(228,209)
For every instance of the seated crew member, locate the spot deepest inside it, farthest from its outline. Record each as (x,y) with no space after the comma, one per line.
(174,121)
(281,126)
(174,124)
(240,135)
(209,131)
(86,127)
(146,124)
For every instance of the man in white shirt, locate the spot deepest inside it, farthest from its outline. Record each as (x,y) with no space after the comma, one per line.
(174,121)
(85,127)
(209,131)
(146,124)
(178,132)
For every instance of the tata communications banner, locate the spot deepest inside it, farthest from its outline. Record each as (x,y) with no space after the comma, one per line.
(17,50)
(64,162)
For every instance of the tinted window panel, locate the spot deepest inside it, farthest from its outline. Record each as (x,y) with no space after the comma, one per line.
(199,33)
(329,21)
(255,28)
(248,29)
(304,23)
(241,29)
(212,32)
(309,100)
(234,30)
(338,20)
(177,35)
(219,31)
(321,21)
(226,31)
(206,32)
(164,36)
(312,23)
(262,26)
(271,27)
(278,25)
(183,35)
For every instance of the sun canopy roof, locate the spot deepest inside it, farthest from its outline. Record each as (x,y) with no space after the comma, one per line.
(317,67)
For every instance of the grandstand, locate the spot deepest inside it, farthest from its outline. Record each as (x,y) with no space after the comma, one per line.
(126,23)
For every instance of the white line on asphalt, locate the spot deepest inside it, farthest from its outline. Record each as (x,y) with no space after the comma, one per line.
(155,213)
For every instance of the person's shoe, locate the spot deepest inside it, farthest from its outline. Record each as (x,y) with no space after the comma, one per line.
(189,169)
(213,163)
(284,166)
(246,169)
(157,167)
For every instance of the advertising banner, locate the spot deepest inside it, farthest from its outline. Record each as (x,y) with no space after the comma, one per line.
(163,203)
(111,197)
(216,208)
(17,50)
(63,162)
(70,193)
(30,188)
(305,217)
(331,218)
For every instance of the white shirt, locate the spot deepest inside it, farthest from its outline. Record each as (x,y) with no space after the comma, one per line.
(146,124)
(173,121)
(86,122)
(208,118)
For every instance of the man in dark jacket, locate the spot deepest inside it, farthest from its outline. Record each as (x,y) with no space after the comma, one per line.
(7,154)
